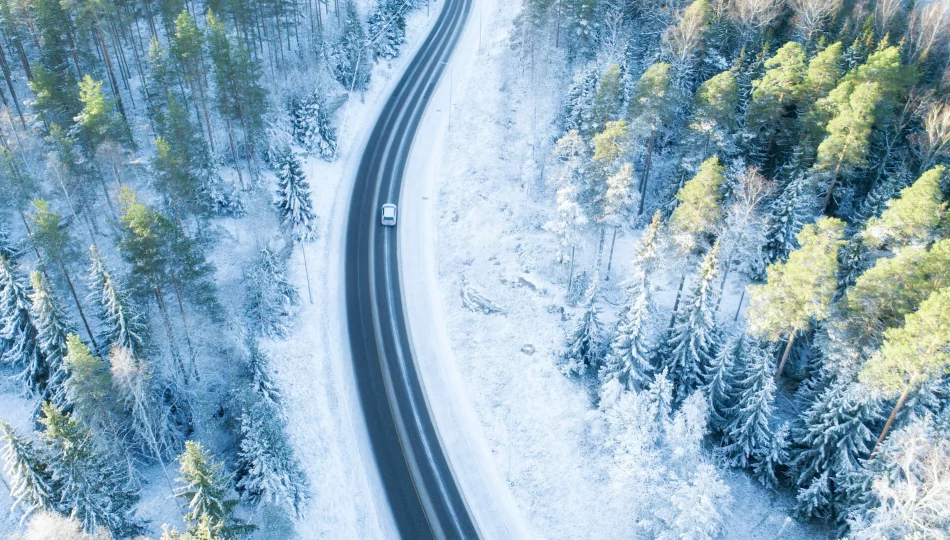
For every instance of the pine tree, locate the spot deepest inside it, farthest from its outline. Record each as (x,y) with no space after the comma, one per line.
(913,218)
(749,437)
(124,326)
(53,240)
(607,99)
(778,90)
(52,327)
(693,341)
(912,355)
(834,437)
(699,209)
(18,332)
(31,486)
(652,106)
(584,351)
(54,80)
(96,122)
(720,380)
(847,143)
(205,487)
(714,110)
(90,483)
(387,27)
(628,358)
(271,299)
(187,48)
(799,290)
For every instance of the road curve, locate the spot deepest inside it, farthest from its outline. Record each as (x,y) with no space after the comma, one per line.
(417,479)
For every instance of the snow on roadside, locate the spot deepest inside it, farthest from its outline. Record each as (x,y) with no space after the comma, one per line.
(483,221)
(312,366)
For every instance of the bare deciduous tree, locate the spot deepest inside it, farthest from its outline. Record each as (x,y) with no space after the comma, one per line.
(934,141)
(751,16)
(928,29)
(811,15)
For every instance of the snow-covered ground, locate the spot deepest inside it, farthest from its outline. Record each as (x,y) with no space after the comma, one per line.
(312,365)
(474,218)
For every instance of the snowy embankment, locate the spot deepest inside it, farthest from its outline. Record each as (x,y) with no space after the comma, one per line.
(517,432)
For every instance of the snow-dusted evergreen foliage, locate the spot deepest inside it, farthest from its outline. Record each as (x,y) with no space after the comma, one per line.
(786,217)
(261,383)
(52,327)
(694,340)
(584,349)
(124,325)
(18,333)
(835,436)
(750,436)
(350,59)
(205,486)
(31,486)
(628,358)
(720,380)
(272,300)
(386,28)
(293,198)
(312,125)
(578,112)
(267,470)
(91,483)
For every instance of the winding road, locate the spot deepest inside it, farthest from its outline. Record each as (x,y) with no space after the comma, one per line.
(418,481)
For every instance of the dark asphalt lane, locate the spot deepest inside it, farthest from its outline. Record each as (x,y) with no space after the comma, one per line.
(419,485)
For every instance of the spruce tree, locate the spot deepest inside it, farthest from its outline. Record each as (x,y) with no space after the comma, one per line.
(312,126)
(267,470)
(271,300)
(578,113)
(261,384)
(91,484)
(584,351)
(628,358)
(720,380)
(351,60)
(387,28)
(798,291)
(31,486)
(787,216)
(694,340)
(124,326)
(293,198)
(204,488)
(52,327)
(749,437)
(18,332)
(834,437)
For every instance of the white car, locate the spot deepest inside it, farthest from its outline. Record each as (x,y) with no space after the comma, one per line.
(389,215)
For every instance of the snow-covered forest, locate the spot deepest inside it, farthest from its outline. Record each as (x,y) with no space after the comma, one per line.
(787,159)
(136,139)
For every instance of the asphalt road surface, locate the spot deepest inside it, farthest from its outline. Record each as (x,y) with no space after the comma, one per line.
(419,485)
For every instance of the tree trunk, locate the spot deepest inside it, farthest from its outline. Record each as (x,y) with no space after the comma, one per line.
(204,105)
(676,303)
(303,249)
(9,79)
(890,420)
(788,349)
(610,257)
(570,272)
(82,315)
(171,335)
(646,172)
(739,307)
(831,188)
(600,248)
